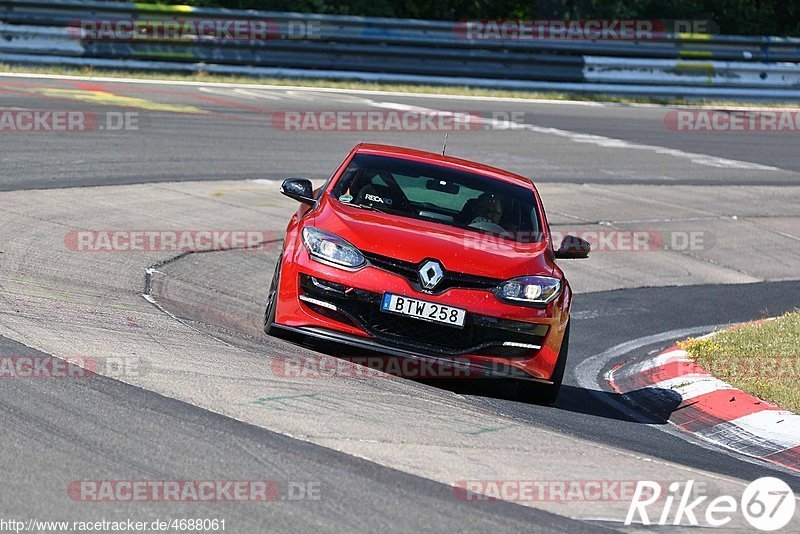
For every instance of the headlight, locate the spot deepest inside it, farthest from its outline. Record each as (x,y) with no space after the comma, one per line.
(330,248)
(529,290)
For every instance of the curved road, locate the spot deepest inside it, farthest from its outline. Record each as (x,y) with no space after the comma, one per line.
(203,400)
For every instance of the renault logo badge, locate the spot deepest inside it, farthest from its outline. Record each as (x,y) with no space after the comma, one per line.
(430,274)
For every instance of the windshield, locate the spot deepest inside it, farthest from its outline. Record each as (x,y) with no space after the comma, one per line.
(446,196)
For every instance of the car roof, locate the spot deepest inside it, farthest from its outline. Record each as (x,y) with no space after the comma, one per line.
(445,161)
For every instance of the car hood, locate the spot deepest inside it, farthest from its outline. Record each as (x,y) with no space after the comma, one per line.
(414,240)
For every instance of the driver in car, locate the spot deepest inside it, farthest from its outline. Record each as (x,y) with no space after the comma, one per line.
(488,212)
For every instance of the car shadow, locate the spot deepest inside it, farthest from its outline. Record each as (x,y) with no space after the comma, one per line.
(644,406)
(649,406)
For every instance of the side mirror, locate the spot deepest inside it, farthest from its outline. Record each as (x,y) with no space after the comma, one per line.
(573,248)
(299,189)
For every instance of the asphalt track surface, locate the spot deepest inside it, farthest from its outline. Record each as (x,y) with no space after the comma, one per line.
(185,143)
(106,429)
(173,438)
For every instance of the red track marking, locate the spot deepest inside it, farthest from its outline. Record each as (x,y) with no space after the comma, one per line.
(701,414)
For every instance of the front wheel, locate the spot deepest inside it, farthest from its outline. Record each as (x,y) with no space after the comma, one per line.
(546,394)
(272,305)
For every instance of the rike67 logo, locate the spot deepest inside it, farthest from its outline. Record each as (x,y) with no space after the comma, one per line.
(767,504)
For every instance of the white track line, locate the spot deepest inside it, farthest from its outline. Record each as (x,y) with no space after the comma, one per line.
(599,140)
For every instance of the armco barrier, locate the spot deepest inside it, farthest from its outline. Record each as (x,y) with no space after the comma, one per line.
(413,51)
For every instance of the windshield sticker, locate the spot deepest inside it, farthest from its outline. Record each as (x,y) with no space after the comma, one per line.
(380,200)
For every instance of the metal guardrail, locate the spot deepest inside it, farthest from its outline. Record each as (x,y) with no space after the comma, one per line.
(414,51)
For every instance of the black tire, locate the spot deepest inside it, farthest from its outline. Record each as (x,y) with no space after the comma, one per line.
(272,304)
(546,394)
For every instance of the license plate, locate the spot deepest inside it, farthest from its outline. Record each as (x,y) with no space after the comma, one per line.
(423,310)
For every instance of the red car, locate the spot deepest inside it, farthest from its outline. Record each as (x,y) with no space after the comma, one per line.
(420,255)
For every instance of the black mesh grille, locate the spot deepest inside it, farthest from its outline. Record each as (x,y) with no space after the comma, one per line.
(480,334)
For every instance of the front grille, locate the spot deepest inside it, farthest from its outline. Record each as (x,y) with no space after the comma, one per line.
(480,334)
(451,279)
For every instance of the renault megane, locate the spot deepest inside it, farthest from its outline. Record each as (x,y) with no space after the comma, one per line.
(421,255)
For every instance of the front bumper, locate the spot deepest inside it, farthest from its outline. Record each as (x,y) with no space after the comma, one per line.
(343,306)
(464,367)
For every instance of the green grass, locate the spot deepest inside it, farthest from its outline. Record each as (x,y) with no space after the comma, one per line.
(343,84)
(761,359)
